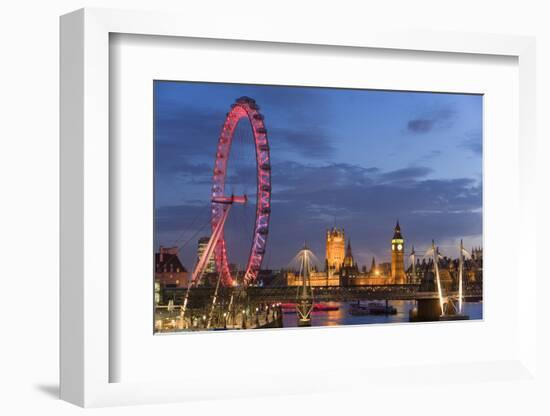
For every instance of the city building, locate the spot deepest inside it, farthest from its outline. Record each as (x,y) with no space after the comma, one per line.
(335,254)
(169,272)
(477,254)
(373,269)
(398,257)
(473,266)
(342,269)
(201,246)
(382,270)
(383,273)
(335,250)
(349,267)
(449,271)
(316,279)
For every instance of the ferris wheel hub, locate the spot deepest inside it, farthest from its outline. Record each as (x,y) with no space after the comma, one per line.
(233,199)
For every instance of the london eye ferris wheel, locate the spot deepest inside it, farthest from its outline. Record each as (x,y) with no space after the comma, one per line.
(244,110)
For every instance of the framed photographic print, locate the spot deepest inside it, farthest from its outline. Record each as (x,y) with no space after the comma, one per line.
(256,207)
(263,202)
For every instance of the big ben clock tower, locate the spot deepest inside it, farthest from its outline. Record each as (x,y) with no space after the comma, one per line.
(397,256)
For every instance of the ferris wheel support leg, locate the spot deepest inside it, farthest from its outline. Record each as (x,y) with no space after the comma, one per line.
(185,300)
(199,270)
(230,313)
(214,302)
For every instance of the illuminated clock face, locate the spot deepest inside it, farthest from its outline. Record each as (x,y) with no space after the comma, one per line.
(399,247)
(393,246)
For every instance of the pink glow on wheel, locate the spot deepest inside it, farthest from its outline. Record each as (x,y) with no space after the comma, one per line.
(243,108)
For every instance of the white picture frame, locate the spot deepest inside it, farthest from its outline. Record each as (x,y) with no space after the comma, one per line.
(85,353)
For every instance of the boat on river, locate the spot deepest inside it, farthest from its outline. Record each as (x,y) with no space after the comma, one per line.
(317,307)
(371,308)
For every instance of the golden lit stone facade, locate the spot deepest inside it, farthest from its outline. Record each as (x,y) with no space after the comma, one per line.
(317,279)
(398,257)
(342,269)
(336,250)
(349,262)
(377,275)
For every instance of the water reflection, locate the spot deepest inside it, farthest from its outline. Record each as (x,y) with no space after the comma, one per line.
(343,317)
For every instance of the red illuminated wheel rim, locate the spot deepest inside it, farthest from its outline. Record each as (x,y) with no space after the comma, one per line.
(244,108)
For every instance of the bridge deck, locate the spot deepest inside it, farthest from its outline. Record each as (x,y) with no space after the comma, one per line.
(338,294)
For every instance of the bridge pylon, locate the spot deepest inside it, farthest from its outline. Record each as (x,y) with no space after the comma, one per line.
(304,304)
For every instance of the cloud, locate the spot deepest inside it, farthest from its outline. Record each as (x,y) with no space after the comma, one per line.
(406,174)
(473,142)
(177,218)
(420,125)
(297,177)
(365,201)
(187,138)
(309,141)
(188,131)
(293,99)
(427,209)
(425,124)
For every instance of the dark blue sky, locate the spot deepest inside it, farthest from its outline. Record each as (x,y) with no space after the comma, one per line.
(357,159)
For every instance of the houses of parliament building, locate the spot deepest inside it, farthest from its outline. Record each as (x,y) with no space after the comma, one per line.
(341,269)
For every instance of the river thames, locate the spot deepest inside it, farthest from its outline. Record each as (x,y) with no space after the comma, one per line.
(342,316)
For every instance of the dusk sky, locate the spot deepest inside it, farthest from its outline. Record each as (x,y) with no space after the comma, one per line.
(355,159)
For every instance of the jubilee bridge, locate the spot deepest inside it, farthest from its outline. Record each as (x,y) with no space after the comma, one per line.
(473,292)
